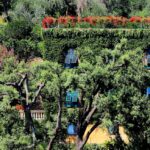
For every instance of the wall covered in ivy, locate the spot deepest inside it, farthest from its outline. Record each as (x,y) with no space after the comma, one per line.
(57,41)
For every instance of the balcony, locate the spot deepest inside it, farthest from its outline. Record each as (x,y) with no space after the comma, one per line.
(36,114)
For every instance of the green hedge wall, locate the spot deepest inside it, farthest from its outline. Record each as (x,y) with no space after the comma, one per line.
(56,41)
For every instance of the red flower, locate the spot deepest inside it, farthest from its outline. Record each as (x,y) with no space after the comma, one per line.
(136,19)
(91,20)
(72,20)
(47,22)
(86,19)
(19,107)
(63,20)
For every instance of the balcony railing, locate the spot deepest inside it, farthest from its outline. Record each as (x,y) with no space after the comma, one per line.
(36,114)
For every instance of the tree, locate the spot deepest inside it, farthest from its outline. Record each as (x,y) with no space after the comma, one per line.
(23,85)
(91,8)
(140,8)
(114,93)
(18,35)
(11,129)
(35,11)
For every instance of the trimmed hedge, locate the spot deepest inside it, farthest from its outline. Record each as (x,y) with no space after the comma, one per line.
(57,41)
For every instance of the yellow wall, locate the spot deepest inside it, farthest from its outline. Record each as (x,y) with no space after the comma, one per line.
(98,136)
(101,136)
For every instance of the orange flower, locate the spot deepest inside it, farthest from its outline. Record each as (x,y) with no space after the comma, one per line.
(19,107)
(110,18)
(147,20)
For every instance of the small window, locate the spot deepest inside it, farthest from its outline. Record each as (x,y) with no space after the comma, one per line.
(148,91)
(71,60)
(147,59)
(72,99)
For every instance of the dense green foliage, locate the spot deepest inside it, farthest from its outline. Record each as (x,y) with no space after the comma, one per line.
(111,78)
(110,58)
(90,7)
(37,9)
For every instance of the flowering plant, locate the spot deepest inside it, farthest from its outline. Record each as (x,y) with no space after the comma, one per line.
(48,21)
(96,21)
(135,19)
(19,107)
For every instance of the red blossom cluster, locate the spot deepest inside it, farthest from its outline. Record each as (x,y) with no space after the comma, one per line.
(136,19)
(93,20)
(47,22)
(19,107)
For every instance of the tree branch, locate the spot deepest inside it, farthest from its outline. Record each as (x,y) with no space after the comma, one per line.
(89,116)
(81,97)
(88,108)
(90,131)
(24,77)
(58,124)
(26,90)
(82,124)
(13,84)
(41,86)
(17,85)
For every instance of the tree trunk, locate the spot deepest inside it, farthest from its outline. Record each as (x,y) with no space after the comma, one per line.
(29,125)
(79,143)
(50,145)
(58,124)
(81,5)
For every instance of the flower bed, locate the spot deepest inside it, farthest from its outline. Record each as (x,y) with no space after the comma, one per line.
(96,22)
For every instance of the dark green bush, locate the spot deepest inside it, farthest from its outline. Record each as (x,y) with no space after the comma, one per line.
(19,36)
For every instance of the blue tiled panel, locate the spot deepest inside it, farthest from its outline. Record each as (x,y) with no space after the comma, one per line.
(71,99)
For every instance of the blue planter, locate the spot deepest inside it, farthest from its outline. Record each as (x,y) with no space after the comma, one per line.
(71,129)
(148,91)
